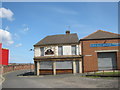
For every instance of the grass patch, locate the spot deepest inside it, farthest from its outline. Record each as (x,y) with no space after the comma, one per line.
(107,73)
(97,77)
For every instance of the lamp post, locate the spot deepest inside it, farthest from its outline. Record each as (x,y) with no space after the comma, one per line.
(30,62)
(30,67)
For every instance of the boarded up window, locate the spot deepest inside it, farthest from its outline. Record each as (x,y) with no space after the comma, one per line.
(73,49)
(64,65)
(46,65)
(42,51)
(60,50)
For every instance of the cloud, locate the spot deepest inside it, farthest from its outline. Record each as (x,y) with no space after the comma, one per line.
(18,45)
(6,13)
(6,37)
(26,29)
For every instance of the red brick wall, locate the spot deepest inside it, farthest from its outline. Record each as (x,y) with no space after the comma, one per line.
(90,63)
(10,68)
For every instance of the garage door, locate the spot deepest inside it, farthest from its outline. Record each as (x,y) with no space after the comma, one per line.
(106,61)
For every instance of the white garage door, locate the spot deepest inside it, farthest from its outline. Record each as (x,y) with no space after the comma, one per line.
(106,61)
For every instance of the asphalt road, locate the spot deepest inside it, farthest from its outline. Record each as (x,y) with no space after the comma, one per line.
(58,81)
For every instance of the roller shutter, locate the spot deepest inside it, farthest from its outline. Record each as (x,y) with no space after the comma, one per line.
(107,61)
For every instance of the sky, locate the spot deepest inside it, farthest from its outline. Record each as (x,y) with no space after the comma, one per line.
(26,23)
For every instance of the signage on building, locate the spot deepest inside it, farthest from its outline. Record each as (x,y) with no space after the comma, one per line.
(104,44)
(88,55)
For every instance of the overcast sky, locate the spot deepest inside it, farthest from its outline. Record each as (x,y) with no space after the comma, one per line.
(24,24)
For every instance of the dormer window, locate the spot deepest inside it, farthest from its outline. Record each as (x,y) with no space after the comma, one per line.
(49,52)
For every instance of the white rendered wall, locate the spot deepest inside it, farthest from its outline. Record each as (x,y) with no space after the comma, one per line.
(56,48)
(80,51)
(37,52)
(77,49)
(66,50)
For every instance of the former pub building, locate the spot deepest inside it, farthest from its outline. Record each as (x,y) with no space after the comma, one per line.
(57,54)
(65,53)
(100,51)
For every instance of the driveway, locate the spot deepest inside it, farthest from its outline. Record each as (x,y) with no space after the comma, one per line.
(12,80)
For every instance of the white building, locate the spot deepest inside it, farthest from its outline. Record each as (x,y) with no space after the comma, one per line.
(58,54)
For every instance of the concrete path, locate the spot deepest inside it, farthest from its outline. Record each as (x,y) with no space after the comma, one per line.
(58,81)
(0,83)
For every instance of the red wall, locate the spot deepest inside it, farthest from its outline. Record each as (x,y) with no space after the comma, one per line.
(5,56)
(0,53)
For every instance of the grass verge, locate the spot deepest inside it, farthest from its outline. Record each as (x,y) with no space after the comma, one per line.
(106,75)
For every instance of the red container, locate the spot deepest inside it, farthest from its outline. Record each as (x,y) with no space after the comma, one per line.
(5,56)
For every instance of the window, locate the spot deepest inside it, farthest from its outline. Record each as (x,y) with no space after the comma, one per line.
(42,51)
(60,50)
(49,52)
(73,49)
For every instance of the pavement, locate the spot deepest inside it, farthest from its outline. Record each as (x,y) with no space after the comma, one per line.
(1,80)
(15,80)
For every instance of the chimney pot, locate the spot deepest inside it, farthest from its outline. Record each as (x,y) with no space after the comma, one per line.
(67,32)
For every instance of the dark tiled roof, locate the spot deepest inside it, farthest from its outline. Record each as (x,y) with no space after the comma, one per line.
(100,34)
(59,39)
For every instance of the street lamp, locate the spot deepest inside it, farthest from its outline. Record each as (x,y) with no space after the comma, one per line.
(30,62)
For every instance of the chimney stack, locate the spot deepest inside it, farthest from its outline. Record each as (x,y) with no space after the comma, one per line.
(67,32)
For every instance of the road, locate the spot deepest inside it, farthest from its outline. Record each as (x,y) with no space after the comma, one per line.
(12,80)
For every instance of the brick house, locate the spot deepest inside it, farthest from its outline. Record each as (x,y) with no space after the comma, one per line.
(57,54)
(100,51)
